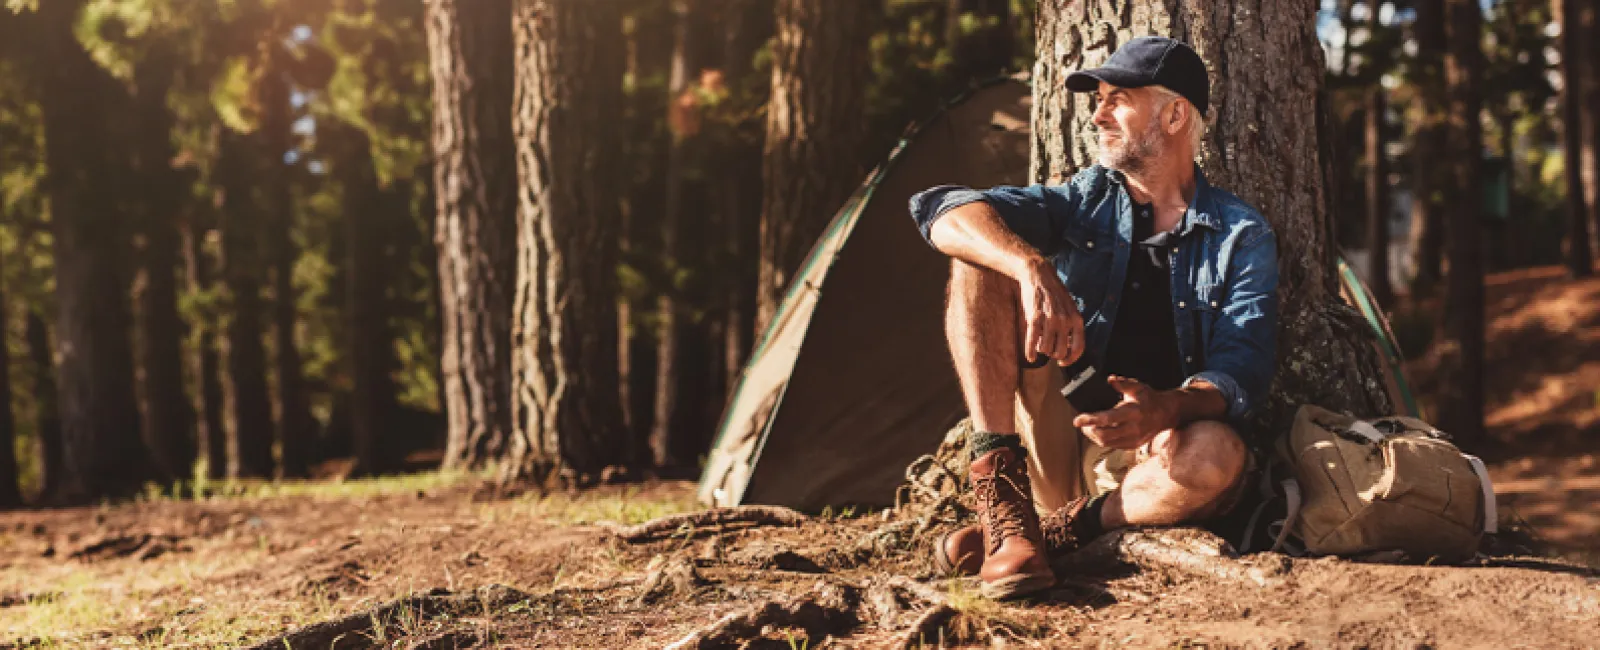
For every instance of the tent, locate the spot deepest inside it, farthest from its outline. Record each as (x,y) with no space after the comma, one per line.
(851,380)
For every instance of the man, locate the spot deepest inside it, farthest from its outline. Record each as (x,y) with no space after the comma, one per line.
(1136,275)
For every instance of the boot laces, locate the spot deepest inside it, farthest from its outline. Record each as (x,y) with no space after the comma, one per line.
(1006,499)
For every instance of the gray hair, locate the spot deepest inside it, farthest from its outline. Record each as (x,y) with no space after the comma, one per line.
(1196,125)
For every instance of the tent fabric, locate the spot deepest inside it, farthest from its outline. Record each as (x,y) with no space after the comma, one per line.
(852,380)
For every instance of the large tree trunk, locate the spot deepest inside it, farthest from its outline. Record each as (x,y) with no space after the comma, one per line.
(1577,254)
(1268,143)
(813,156)
(244,380)
(1461,398)
(103,454)
(1429,179)
(566,415)
(296,429)
(167,424)
(985,51)
(210,431)
(47,423)
(1377,180)
(475,174)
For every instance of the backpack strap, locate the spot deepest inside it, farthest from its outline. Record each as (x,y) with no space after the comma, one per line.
(1291,493)
(1490,515)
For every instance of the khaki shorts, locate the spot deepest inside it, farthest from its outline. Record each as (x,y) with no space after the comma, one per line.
(1063,464)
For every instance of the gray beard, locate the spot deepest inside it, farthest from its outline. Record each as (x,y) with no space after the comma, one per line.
(1134,157)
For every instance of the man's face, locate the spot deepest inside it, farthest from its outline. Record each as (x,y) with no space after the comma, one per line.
(1128,120)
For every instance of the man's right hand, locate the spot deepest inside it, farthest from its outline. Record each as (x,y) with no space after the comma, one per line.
(1053,327)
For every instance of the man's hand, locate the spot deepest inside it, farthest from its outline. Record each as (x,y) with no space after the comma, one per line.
(1143,413)
(1054,326)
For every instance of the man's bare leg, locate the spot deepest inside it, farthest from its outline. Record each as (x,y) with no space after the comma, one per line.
(981,324)
(1188,472)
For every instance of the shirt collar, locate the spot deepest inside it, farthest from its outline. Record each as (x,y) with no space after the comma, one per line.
(1202,210)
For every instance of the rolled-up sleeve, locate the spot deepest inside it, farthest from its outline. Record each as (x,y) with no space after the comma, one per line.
(1241,354)
(1036,213)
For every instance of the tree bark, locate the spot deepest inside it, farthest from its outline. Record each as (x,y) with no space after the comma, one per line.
(244,382)
(469,42)
(812,155)
(1269,142)
(52,464)
(1461,398)
(103,454)
(1579,263)
(210,431)
(566,416)
(296,429)
(167,424)
(1427,147)
(1377,177)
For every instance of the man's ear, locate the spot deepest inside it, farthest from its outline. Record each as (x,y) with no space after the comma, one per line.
(1175,121)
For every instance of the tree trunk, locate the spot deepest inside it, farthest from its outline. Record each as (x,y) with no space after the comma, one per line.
(1588,51)
(1579,263)
(167,424)
(1427,147)
(103,454)
(10,473)
(244,381)
(210,431)
(296,429)
(469,42)
(1377,172)
(812,156)
(52,463)
(670,316)
(750,24)
(985,52)
(1461,398)
(566,416)
(370,341)
(1269,143)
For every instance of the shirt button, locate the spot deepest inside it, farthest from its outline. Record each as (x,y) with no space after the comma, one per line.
(1181,304)
(1136,285)
(1213,304)
(1089,245)
(1188,359)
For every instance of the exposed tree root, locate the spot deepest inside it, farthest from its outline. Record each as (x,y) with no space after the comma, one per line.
(830,609)
(928,629)
(358,630)
(670,577)
(748,515)
(1188,551)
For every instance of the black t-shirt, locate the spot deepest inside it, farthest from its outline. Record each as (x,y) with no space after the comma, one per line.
(1144,338)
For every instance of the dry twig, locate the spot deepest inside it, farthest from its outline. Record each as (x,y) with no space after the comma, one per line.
(1183,550)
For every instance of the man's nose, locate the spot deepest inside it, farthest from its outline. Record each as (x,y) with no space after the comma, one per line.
(1101,117)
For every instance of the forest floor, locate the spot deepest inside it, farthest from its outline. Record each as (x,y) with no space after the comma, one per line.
(439,560)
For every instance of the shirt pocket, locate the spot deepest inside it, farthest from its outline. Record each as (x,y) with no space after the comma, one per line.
(1086,268)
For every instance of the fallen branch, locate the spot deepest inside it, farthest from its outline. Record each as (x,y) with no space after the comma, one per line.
(831,609)
(1184,550)
(750,515)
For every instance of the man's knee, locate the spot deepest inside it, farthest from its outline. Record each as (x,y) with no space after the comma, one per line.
(1206,456)
(975,280)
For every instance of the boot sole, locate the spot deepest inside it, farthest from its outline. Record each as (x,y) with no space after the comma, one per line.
(1017,586)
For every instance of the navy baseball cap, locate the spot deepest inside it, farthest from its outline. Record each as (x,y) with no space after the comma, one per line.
(1151,61)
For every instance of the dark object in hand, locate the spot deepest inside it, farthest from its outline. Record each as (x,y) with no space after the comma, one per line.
(1088,391)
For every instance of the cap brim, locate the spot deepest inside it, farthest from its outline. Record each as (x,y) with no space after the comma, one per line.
(1088,81)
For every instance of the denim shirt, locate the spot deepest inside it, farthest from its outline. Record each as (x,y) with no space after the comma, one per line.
(1224,270)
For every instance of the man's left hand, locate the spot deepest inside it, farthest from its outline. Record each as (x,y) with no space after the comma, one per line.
(1143,413)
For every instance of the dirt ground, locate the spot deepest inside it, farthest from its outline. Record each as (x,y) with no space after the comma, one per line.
(440,561)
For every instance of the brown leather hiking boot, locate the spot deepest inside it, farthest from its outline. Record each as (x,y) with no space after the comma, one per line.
(1014,562)
(960,552)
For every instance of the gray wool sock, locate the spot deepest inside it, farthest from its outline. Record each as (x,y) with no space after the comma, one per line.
(983,442)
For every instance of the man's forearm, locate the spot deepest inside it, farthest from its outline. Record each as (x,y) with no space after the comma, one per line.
(974,233)
(1198,401)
